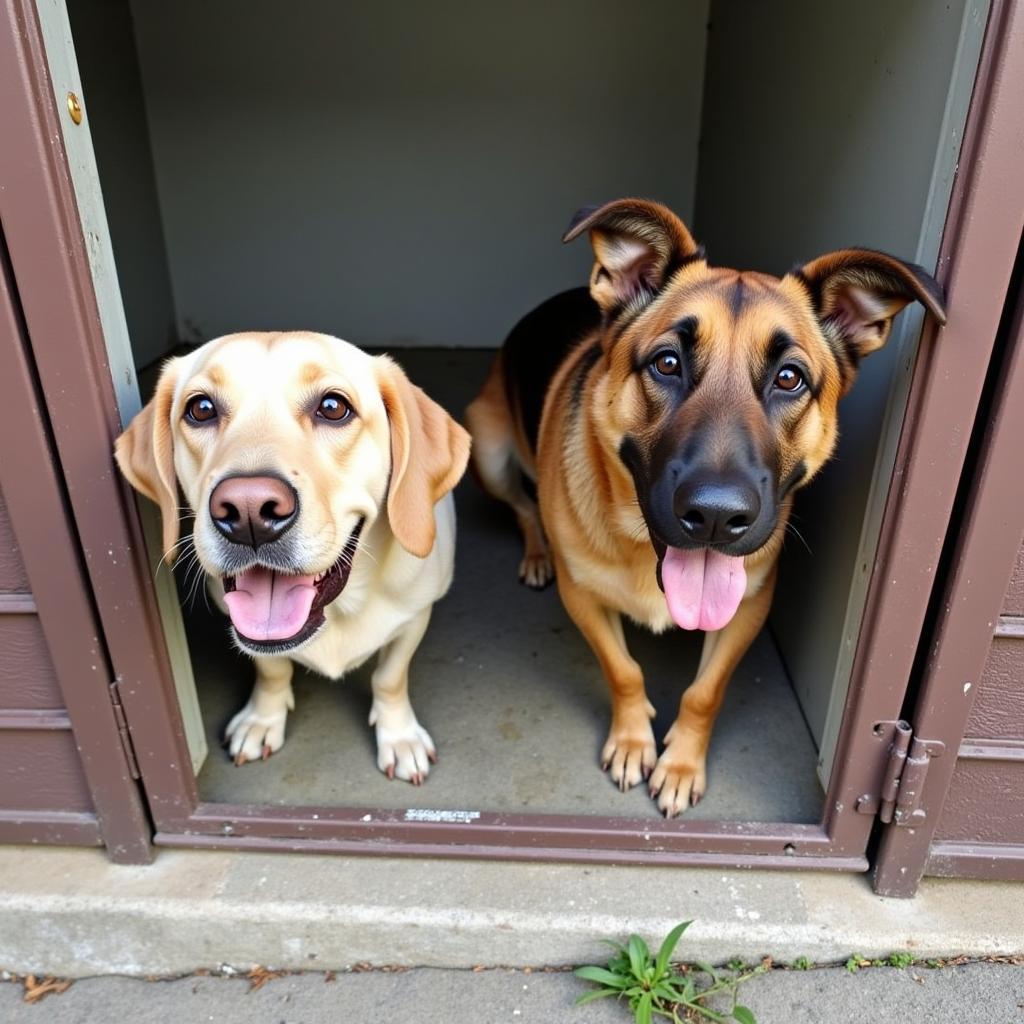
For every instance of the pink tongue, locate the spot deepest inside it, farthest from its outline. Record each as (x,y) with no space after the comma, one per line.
(266,605)
(703,588)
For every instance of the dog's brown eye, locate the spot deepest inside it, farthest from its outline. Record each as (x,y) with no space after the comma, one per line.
(200,409)
(667,364)
(334,408)
(789,379)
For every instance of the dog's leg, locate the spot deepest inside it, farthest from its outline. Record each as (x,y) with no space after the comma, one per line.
(257,731)
(680,777)
(404,747)
(499,470)
(630,751)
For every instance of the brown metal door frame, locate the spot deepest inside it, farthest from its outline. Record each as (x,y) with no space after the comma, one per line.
(58,308)
(977,254)
(980,566)
(976,261)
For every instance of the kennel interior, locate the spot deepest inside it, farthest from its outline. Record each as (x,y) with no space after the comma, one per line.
(399,175)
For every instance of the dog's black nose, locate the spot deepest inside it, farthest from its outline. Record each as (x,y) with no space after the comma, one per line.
(253,510)
(716,509)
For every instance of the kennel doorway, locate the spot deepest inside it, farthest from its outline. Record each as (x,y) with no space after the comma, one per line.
(782,673)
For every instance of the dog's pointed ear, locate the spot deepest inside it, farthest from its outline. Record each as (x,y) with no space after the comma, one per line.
(638,245)
(856,293)
(145,455)
(429,452)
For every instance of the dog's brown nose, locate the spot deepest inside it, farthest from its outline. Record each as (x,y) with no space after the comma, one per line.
(253,510)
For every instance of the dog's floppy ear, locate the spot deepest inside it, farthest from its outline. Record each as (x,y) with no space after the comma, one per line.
(638,245)
(145,455)
(429,452)
(857,292)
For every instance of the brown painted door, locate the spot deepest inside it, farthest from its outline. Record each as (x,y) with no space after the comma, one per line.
(57,380)
(64,772)
(970,819)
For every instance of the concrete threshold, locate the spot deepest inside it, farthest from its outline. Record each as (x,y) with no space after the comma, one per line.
(72,913)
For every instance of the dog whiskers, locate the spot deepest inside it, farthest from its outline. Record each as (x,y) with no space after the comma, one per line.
(790,528)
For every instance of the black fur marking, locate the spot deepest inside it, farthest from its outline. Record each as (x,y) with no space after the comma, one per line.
(538,345)
(586,363)
(797,474)
(738,297)
(686,329)
(675,265)
(779,344)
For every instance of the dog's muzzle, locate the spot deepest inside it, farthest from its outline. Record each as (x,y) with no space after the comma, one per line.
(274,611)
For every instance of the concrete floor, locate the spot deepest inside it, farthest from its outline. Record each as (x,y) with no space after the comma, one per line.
(71,913)
(511,694)
(992,993)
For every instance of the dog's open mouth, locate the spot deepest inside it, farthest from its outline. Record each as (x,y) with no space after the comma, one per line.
(703,588)
(274,611)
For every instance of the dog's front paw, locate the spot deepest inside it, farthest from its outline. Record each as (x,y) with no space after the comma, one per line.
(251,736)
(680,776)
(404,748)
(630,752)
(536,570)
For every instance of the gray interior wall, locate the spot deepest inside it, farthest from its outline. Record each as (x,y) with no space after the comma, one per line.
(400,173)
(823,127)
(105,50)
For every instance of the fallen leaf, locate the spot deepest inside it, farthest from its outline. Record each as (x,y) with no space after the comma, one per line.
(40,988)
(259,976)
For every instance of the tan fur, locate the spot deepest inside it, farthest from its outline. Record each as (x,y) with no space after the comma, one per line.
(500,456)
(429,451)
(393,465)
(648,268)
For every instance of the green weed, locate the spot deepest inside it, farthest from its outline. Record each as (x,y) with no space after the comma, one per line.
(652,988)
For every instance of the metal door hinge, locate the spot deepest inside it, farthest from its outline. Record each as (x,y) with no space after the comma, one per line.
(122,728)
(907,758)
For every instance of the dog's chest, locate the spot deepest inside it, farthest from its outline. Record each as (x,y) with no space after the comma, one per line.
(348,640)
(629,588)
(633,590)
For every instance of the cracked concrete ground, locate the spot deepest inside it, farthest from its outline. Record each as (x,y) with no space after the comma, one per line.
(989,993)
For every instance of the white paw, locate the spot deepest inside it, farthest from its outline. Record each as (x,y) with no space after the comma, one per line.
(404,747)
(251,736)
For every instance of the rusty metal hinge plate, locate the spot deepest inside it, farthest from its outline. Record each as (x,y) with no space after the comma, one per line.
(898,801)
(122,728)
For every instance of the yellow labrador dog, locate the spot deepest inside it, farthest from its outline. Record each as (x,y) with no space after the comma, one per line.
(320,481)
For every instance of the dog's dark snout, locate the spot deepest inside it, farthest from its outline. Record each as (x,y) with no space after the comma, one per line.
(253,510)
(715,509)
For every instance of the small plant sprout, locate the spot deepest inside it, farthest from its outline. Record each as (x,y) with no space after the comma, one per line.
(653,988)
(802,963)
(900,960)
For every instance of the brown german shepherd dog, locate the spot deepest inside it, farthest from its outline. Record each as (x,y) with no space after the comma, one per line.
(667,417)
